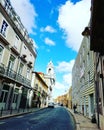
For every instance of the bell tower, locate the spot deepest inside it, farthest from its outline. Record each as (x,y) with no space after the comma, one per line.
(51,78)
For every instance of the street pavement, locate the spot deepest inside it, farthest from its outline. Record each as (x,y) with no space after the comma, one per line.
(83,123)
(45,119)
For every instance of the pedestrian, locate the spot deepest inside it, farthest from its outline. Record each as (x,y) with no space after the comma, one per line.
(74,107)
(39,103)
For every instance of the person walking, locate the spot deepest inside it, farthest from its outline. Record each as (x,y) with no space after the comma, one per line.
(74,108)
(39,103)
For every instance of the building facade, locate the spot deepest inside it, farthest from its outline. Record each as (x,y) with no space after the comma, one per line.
(40,90)
(17,58)
(83,91)
(97,46)
(69,98)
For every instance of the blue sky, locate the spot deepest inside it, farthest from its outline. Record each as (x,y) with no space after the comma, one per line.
(56,27)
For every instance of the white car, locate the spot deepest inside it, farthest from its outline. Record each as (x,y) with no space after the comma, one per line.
(51,104)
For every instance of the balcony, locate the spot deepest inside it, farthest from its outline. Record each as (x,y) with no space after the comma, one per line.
(14,49)
(23,58)
(12,76)
(29,64)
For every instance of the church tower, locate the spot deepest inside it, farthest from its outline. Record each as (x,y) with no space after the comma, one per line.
(50,72)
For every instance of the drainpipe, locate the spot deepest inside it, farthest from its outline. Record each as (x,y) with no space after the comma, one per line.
(96,62)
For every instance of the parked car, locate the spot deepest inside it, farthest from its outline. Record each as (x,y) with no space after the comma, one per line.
(51,104)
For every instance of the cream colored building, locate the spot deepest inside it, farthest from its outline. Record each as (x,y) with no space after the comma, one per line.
(83,91)
(40,90)
(17,58)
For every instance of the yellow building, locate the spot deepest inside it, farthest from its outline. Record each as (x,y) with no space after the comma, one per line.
(17,57)
(40,90)
(69,98)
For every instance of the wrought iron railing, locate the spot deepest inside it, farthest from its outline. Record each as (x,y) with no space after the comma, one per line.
(5,71)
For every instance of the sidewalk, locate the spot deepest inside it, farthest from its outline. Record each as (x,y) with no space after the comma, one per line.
(8,113)
(83,123)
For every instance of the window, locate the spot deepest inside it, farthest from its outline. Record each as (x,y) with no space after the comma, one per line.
(83,65)
(1,52)
(11,62)
(7,4)
(20,68)
(88,78)
(83,81)
(15,96)
(25,47)
(88,59)
(49,71)
(87,42)
(36,86)
(4,94)
(16,42)
(28,73)
(4,28)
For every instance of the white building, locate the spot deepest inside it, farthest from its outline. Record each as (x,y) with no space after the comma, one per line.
(17,58)
(50,79)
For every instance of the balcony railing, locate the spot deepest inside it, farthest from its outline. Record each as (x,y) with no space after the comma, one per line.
(8,73)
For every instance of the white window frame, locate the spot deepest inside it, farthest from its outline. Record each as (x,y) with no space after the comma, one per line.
(20,69)
(11,63)
(16,41)
(3,29)
(28,73)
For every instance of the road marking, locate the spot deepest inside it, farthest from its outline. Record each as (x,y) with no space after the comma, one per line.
(2,123)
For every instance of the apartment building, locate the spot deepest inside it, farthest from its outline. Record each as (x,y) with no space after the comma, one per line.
(83,91)
(97,46)
(17,58)
(40,90)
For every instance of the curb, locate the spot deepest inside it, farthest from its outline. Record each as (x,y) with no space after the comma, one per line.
(18,114)
(77,124)
(9,116)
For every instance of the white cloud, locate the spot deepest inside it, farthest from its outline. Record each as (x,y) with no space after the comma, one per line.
(26,12)
(58,89)
(48,29)
(68,79)
(62,88)
(73,18)
(65,66)
(66,82)
(59,86)
(49,42)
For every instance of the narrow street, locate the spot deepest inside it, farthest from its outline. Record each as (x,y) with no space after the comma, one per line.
(46,119)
